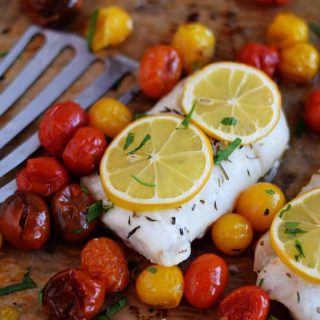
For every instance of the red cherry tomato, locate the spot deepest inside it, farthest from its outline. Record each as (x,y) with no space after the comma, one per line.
(43,175)
(272,2)
(73,295)
(160,70)
(312,111)
(205,280)
(69,208)
(59,124)
(265,58)
(84,151)
(245,303)
(103,259)
(25,221)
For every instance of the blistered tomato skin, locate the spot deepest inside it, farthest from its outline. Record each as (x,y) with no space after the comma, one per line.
(72,295)
(69,208)
(160,286)
(110,116)
(312,111)
(259,203)
(232,234)
(104,259)
(287,29)
(160,70)
(43,175)
(245,303)
(84,151)
(265,58)
(59,124)
(195,44)
(299,62)
(205,280)
(25,221)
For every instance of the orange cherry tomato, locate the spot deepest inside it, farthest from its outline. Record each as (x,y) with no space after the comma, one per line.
(312,111)
(73,295)
(104,259)
(245,303)
(25,221)
(205,280)
(160,70)
(84,151)
(265,58)
(59,124)
(43,175)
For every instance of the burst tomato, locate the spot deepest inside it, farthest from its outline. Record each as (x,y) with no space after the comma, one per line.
(72,294)
(84,151)
(245,303)
(43,175)
(69,209)
(59,124)
(312,111)
(160,70)
(25,221)
(265,58)
(205,280)
(102,258)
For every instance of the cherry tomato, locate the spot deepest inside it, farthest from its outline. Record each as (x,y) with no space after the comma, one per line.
(245,303)
(232,234)
(59,124)
(265,58)
(73,295)
(25,221)
(109,115)
(84,151)
(272,2)
(69,208)
(205,280)
(1,241)
(160,70)
(259,204)
(104,259)
(312,111)
(43,175)
(160,286)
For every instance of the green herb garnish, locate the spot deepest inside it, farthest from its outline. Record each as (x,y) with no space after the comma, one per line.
(152,269)
(225,154)
(229,121)
(139,115)
(284,210)
(83,187)
(147,184)
(261,282)
(271,317)
(291,229)
(299,248)
(269,191)
(186,120)
(96,209)
(142,143)
(77,231)
(109,312)
(315,28)
(92,27)
(129,140)
(3,53)
(26,283)
(40,296)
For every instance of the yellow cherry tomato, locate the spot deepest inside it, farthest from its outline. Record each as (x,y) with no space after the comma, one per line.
(286,29)
(113,26)
(195,44)
(160,286)
(259,204)
(299,62)
(110,116)
(9,313)
(232,234)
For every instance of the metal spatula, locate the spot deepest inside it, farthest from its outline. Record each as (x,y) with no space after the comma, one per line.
(116,67)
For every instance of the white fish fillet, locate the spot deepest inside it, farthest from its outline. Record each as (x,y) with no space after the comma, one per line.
(165,236)
(302,298)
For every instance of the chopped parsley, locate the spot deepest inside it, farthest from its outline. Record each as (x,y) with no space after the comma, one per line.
(284,210)
(96,209)
(26,283)
(142,143)
(92,27)
(300,250)
(315,28)
(109,312)
(144,183)
(225,154)
(152,269)
(129,140)
(186,120)
(291,229)
(270,191)
(229,121)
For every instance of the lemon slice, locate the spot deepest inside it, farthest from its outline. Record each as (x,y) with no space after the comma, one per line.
(156,163)
(295,235)
(233,100)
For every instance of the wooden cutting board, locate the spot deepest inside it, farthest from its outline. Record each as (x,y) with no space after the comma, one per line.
(235,22)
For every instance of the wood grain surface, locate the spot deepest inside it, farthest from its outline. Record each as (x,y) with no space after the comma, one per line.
(235,22)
